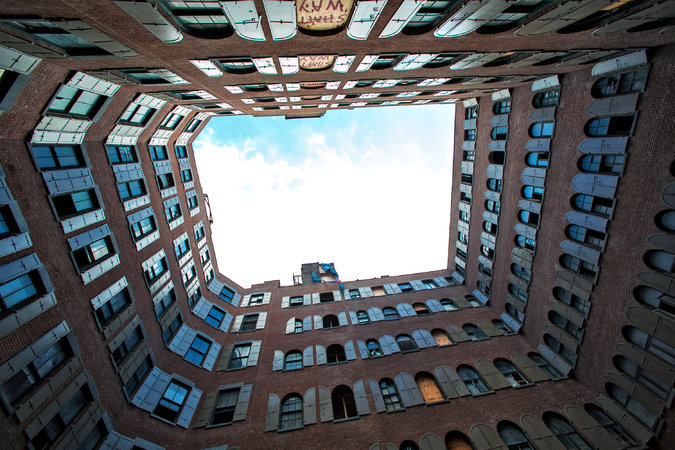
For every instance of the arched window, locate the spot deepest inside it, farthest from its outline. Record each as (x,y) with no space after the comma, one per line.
(492,205)
(512,375)
(536,159)
(494,184)
(502,107)
(421,309)
(290,414)
(428,387)
(455,440)
(513,436)
(585,235)
(373,348)
(636,408)
(517,292)
(390,313)
(562,350)
(576,265)
(441,337)
(255,88)
(655,299)
(487,252)
(544,365)
(523,242)
(649,343)
(597,205)
(448,304)
(521,272)
(529,218)
(475,333)
(513,312)
(201,21)
(427,17)
(498,323)
(642,376)
(611,164)
(541,129)
(621,83)
(490,227)
(532,193)
(660,260)
(293,360)
(565,433)
(362,317)
(408,445)
(335,354)
(406,343)
(572,300)
(564,324)
(331,321)
(297,326)
(344,406)
(612,427)
(237,65)
(392,400)
(497,157)
(546,98)
(499,133)
(609,126)
(472,380)
(665,220)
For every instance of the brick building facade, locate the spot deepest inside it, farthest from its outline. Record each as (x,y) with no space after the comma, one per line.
(551,327)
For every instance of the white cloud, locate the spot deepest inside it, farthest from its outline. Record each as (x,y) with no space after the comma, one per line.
(371,209)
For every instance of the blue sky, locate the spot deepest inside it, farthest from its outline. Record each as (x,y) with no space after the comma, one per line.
(368,189)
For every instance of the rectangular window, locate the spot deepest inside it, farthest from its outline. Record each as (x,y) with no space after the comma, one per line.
(143,227)
(189,275)
(138,376)
(192,202)
(239,358)
(93,254)
(226,294)
(165,303)
(205,257)
(75,203)
(172,401)
(158,153)
(469,135)
(256,299)
(156,271)
(249,322)
(223,413)
(173,212)
(76,102)
(171,121)
(123,154)
(186,175)
(112,307)
(378,291)
(58,157)
(137,114)
(44,30)
(181,151)
(296,301)
(14,293)
(429,284)
(198,350)
(165,181)
(25,380)
(354,293)
(194,298)
(66,415)
(405,287)
(131,189)
(199,234)
(182,248)
(170,331)
(194,123)
(215,317)
(469,155)
(209,276)
(126,347)
(8,225)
